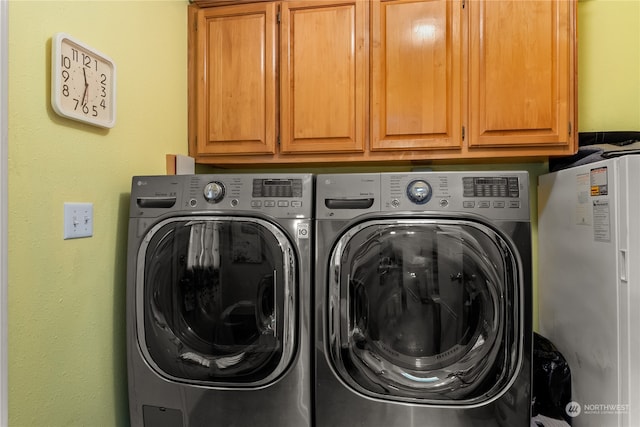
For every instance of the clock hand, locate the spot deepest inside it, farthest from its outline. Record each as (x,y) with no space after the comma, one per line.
(86,86)
(84,95)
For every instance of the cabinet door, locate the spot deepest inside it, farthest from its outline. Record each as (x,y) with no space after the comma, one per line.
(323,76)
(521,73)
(236,79)
(416,74)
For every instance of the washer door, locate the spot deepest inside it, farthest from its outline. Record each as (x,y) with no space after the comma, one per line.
(215,300)
(425,311)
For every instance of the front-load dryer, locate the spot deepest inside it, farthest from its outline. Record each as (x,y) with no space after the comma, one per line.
(218,291)
(423,300)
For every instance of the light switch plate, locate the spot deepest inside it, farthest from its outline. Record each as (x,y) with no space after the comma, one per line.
(78,220)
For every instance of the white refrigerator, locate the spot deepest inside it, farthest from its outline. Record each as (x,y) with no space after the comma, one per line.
(589,285)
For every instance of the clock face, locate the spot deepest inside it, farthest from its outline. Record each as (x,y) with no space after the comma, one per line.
(83,83)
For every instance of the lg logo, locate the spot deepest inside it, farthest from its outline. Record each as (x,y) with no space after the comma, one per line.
(573,409)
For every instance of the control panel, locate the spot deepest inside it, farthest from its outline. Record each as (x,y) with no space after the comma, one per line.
(274,188)
(278,195)
(491,186)
(492,194)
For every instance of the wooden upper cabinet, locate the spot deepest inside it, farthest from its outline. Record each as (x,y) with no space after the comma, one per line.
(416,75)
(235,84)
(323,76)
(521,73)
(347,81)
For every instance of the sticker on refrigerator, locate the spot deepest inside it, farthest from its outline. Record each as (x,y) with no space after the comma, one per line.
(601,221)
(599,183)
(583,202)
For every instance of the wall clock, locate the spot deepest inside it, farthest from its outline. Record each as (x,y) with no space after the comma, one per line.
(83,82)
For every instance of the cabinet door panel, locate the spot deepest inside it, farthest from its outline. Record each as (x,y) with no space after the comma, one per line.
(416,74)
(236,92)
(323,76)
(520,67)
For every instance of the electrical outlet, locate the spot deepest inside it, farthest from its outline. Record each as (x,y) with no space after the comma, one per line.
(78,220)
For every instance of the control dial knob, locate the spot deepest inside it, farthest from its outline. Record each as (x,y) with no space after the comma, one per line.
(214,192)
(419,191)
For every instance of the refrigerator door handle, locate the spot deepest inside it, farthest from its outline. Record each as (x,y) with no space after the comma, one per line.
(624,274)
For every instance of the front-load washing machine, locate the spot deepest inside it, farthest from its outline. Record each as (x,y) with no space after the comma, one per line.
(218,291)
(423,299)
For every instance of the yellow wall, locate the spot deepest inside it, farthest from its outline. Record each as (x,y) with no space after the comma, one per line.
(66,302)
(67,362)
(609,65)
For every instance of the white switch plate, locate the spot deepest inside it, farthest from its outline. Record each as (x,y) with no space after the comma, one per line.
(78,220)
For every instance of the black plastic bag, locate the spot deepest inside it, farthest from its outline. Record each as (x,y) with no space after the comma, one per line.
(551,380)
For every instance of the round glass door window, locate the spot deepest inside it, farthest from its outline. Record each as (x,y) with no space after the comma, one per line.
(425,311)
(215,300)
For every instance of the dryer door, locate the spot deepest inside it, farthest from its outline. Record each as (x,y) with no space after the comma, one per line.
(425,311)
(215,300)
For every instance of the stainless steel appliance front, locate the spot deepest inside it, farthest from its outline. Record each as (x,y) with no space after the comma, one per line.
(218,300)
(423,299)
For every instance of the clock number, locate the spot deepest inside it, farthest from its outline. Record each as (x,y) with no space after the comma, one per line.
(103,86)
(85,107)
(65,90)
(74,54)
(86,60)
(103,104)
(65,75)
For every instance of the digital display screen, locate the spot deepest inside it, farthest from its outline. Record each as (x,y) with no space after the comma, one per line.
(284,188)
(491,187)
